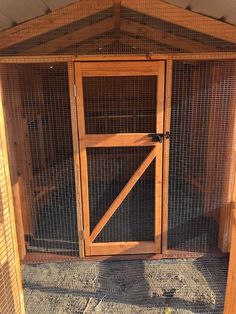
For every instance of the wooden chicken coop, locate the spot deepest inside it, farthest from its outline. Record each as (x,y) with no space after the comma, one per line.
(119,122)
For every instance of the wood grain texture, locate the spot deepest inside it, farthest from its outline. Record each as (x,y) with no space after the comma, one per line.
(166,153)
(11,291)
(188,19)
(163,37)
(115,140)
(72,38)
(124,248)
(230,297)
(90,69)
(51,21)
(75,137)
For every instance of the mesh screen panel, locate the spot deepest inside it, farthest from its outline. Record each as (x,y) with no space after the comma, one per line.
(203,100)
(120,104)
(95,27)
(37,104)
(109,169)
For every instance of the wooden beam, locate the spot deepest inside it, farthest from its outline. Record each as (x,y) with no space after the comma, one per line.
(46,23)
(230,297)
(117,11)
(163,37)
(11,291)
(228,198)
(143,45)
(185,18)
(115,248)
(90,69)
(92,45)
(75,137)
(124,192)
(166,153)
(72,38)
(116,140)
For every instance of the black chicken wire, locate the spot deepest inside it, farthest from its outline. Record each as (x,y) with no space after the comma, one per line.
(108,30)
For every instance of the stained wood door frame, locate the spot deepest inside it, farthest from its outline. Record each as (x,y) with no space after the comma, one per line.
(132,68)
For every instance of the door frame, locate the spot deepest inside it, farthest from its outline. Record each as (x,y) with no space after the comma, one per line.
(123,68)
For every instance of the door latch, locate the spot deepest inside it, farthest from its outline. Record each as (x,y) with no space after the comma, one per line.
(159,137)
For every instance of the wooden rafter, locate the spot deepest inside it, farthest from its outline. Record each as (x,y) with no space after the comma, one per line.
(72,38)
(185,18)
(117,11)
(92,45)
(163,37)
(51,21)
(148,47)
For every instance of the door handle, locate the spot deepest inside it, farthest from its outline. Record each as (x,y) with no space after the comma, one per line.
(159,137)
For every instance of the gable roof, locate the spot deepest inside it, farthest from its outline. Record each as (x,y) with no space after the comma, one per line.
(149,26)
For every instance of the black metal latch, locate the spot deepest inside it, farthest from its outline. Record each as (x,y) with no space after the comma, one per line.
(159,137)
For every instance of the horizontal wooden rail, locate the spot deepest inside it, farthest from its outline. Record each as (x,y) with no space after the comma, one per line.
(116,140)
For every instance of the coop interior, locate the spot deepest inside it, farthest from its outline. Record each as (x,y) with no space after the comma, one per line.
(120,122)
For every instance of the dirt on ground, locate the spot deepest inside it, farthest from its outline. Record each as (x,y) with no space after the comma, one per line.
(166,286)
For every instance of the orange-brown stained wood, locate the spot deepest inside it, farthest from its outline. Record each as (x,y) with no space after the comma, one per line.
(230,298)
(11,292)
(166,152)
(75,137)
(175,15)
(163,37)
(58,18)
(72,38)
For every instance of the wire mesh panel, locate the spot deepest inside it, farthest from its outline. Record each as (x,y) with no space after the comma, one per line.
(203,101)
(37,106)
(11,295)
(109,169)
(120,104)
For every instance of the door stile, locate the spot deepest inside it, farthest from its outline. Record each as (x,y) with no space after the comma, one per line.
(158,161)
(83,156)
(166,150)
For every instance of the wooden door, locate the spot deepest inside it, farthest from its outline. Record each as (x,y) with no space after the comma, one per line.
(120,120)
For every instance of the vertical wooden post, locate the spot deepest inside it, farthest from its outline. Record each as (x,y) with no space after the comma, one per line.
(228,198)
(230,297)
(165,180)
(11,292)
(74,123)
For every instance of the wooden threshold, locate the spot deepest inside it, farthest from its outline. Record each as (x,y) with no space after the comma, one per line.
(114,248)
(40,258)
(116,140)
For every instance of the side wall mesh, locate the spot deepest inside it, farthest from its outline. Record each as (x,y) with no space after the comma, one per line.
(37,106)
(203,106)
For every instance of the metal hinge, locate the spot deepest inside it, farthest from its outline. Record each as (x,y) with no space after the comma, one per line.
(75,90)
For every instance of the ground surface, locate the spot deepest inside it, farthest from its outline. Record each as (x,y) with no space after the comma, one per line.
(167,286)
